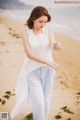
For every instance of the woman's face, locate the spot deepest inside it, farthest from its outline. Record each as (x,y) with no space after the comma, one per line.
(40,22)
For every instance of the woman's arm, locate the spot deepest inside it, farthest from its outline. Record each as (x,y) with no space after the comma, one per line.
(30,53)
(52,43)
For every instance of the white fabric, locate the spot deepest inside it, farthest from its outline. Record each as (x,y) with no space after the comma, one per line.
(41,83)
(40,46)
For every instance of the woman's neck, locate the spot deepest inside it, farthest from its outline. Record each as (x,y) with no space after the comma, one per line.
(37,31)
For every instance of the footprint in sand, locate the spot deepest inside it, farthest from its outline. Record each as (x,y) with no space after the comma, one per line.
(77,98)
(13,33)
(2,43)
(64,83)
(0,21)
(7,51)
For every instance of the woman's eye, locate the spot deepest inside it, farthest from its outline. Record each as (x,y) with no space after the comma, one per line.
(40,22)
(43,22)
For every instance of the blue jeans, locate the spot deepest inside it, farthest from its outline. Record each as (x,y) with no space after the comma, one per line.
(40,83)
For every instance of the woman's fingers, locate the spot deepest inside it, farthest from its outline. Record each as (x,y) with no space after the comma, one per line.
(53,65)
(57,45)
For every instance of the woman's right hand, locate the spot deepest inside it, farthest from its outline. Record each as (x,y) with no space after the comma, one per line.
(52,64)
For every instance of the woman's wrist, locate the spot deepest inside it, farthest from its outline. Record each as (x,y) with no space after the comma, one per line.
(47,62)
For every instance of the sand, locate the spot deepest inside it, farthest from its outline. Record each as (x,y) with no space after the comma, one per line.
(67,83)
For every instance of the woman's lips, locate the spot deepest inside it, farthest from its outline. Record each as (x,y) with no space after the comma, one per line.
(41,27)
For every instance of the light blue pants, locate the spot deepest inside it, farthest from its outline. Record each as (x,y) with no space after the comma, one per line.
(40,83)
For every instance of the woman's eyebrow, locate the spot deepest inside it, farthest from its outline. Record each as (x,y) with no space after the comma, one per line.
(43,21)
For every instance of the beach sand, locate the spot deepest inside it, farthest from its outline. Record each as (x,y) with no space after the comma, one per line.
(67,84)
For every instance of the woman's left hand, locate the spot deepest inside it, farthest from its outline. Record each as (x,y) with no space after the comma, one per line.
(57,46)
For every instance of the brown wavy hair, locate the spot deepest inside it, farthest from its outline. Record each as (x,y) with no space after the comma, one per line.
(36,13)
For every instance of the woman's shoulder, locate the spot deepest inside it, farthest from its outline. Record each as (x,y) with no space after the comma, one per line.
(24,32)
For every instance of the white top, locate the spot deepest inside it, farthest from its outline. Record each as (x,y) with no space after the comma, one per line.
(40,46)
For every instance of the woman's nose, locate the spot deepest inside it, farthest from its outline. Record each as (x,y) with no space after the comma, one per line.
(44,24)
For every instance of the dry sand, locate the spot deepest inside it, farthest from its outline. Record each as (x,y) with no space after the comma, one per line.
(67,83)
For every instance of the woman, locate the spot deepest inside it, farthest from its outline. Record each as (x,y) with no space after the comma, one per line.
(38,71)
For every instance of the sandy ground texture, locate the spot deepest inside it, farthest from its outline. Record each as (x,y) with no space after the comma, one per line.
(65,103)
